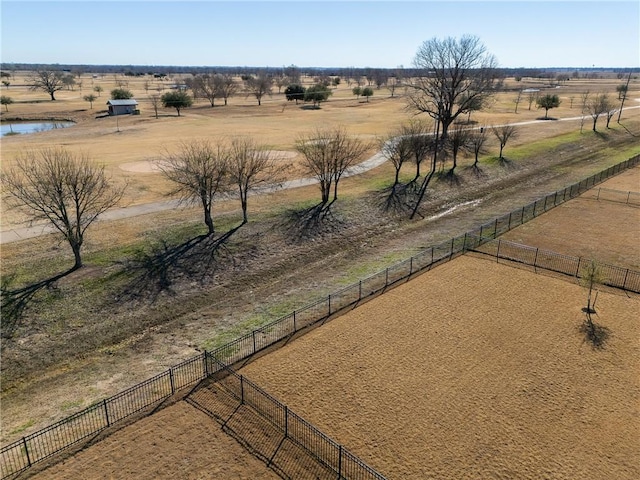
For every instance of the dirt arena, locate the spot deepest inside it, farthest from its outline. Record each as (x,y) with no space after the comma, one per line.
(603,230)
(177,442)
(472,370)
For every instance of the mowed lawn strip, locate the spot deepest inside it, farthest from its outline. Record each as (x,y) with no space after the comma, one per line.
(472,370)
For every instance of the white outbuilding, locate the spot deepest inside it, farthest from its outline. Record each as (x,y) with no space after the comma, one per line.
(123,107)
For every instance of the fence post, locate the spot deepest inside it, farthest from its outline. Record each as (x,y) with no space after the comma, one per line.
(26,450)
(206,364)
(360,290)
(411,263)
(509,227)
(106,412)
(431,255)
(598,196)
(294,321)
(464,244)
(522,217)
(173,388)
(495,228)
(624,283)
(628,195)
(286,421)
(578,267)
(451,254)
(339,462)
(386,277)
(241,390)
(253,334)
(545,203)
(498,252)
(535,261)
(329,300)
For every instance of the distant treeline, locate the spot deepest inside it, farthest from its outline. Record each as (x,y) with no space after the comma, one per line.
(165,70)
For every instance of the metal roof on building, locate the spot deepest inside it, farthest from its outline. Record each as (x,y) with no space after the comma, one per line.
(130,101)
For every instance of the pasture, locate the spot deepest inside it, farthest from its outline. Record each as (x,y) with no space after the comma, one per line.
(88,351)
(472,370)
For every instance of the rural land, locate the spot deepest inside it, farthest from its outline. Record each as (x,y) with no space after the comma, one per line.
(474,369)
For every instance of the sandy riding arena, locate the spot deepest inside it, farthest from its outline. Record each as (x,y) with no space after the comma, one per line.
(472,370)
(177,442)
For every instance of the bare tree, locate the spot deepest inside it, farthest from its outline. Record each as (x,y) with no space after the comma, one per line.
(47,80)
(397,149)
(477,139)
(207,86)
(250,166)
(421,143)
(227,86)
(259,86)
(327,156)
(281,81)
(198,169)
(155,102)
(517,100)
(455,74)
(598,105)
(66,189)
(456,142)
(584,100)
(503,133)
(532,97)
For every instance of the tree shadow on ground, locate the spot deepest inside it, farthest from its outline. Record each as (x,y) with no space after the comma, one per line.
(504,162)
(311,222)
(156,269)
(14,302)
(477,171)
(398,198)
(450,177)
(594,334)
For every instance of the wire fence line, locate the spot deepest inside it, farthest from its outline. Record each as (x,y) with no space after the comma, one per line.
(86,424)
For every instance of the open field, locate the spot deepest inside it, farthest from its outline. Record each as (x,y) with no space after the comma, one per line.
(275,124)
(89,346)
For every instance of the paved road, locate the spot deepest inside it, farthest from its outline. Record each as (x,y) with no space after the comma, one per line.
(17,234)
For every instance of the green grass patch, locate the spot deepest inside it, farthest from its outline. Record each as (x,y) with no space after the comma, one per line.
(22,427)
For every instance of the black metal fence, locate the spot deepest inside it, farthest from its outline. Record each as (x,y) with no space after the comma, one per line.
(613,276)
(22,454)
(607,194)
(334,457)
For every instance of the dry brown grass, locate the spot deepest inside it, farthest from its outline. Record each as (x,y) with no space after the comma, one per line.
(275,124)
(88,375)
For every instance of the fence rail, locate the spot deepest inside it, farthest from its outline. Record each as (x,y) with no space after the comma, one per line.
(22,454)
(612,275)
(294,428)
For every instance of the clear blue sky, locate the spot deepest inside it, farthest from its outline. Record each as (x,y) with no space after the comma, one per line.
(320,34)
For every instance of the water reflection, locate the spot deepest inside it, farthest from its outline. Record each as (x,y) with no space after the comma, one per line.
(31,127)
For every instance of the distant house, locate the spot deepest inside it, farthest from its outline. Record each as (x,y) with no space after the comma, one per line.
(123,107)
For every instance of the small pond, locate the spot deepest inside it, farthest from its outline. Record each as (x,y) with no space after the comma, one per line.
(31,127)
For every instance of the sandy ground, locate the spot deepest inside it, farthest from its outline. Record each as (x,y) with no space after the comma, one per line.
(603,230)
(177,442)
(473,370)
